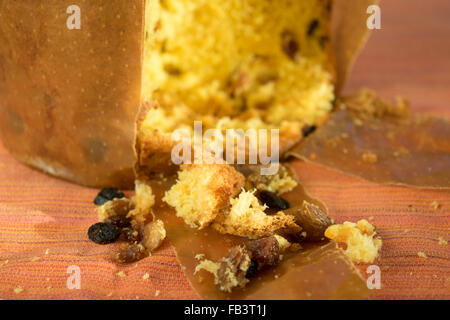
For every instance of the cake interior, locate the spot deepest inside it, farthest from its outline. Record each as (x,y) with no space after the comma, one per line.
(237,63)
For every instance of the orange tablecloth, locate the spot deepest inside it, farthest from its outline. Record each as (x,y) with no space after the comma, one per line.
(44,221)
(408,56)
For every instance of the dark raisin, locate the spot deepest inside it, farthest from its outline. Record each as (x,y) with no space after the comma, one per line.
(173,70)
(253,269)
(266,251)
(323,41)
(107,194)
(313,27)
(103,233)
(120,221)
(289,44)
(131,235)
(307,130)
(273,201)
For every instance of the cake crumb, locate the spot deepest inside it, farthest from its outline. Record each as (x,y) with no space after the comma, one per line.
(47,251)
(109,294)
(442,241)
(35,259)
(369,157)
(4,263)
(200,256)
(422,254)
(435,205)
(146,276)
(157,292)
(18,290)
(362,245)
(121,274)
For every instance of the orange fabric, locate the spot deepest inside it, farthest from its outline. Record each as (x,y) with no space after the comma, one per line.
(44,222)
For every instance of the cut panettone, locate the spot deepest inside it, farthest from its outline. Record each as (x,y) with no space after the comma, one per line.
(201,192)
(235,65)
(211,59)
(231,64)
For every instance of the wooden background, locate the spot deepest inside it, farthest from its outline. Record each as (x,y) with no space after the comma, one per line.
(410,55)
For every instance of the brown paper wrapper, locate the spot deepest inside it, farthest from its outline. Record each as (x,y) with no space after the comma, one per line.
(69,98)
(412,151)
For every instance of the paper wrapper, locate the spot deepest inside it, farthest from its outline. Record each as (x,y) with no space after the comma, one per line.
(414,151)
(320,270)
(69,98)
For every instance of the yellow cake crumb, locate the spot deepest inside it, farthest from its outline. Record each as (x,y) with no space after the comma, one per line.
(435,205)
(247,218)
(121,274)
(209,266)
(142,202)
(157,292)
(369,157)
(34,259)
(146,276)
(201,192)
(362,246)
(422,254)
(279,183)
(114,207)
(283,243)
(18,290)
(153,235)
(442,241)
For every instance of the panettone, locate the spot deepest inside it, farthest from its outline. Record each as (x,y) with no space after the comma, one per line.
(69,97)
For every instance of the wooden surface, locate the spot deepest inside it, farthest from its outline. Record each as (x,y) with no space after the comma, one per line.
(410,55)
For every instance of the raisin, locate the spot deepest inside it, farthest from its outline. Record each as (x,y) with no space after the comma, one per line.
(253,269)
(273,201)
(313,220)
(129,253)
(307,130)
(323,40)
(130,234)
(233,269)
(107,194)
(266,251)
(103,233)
(313,27)
(120,221)
(289,44)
